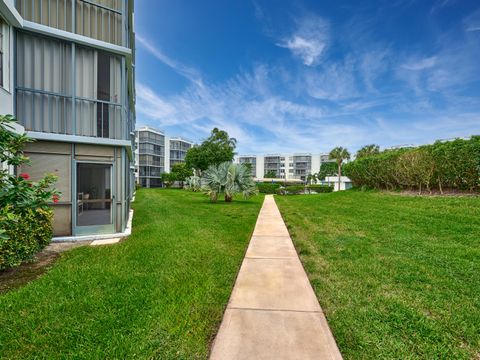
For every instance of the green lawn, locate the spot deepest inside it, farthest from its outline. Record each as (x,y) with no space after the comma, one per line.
(397,276)
(160,294)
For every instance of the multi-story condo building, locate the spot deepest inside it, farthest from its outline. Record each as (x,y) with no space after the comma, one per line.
(284,166)
(150,156)
(178,150)
(156,153)
(73,91)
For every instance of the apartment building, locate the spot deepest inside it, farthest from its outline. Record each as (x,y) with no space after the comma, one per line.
(284,166)
(72,87)
(178,150)
(156,153)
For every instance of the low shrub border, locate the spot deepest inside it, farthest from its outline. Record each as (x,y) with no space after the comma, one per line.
(268,188)
(320,188)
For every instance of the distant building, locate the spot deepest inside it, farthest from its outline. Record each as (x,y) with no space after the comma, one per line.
(284,166)
(156,153)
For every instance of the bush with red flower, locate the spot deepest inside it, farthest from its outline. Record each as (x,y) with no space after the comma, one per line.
(25,212)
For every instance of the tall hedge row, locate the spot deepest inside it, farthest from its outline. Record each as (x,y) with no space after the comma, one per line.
(450,165)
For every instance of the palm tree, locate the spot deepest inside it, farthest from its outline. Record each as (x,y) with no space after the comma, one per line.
(229,179)
(339,154)
(367,150)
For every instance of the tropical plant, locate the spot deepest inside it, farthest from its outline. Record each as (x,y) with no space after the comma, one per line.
(327,169)
(339,154)
(367,150)
(229,179)
(25,214)
(193,183)
(217,148)
(311,179)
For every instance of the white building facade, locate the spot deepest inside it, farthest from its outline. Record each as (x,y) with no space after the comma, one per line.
(67,75)
(294,167)
(156,153)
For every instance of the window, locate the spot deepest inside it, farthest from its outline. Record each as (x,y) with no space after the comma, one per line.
(4,55)
(44,88)
(1,52)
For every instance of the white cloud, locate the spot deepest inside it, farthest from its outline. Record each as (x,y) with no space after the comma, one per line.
(420,64)
(188,72)
(309,40)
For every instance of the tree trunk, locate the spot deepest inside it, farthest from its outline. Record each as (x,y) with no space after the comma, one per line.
(228,198)
(339,174)
(440,186)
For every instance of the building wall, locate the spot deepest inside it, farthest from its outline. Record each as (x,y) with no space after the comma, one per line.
(173,150)
(287,166)
(74,93)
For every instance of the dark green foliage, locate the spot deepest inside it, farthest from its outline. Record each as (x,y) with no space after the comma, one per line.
(180,172)
(218,148)
(451,165)
(320,188)
(367,150)
(27,233)
(291,190)
(327,169)
(268,188)
(25,215)
(270,174)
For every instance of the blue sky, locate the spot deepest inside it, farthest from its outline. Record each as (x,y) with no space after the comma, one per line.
(285,76)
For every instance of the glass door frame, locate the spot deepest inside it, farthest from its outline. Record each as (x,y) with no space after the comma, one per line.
(93,229)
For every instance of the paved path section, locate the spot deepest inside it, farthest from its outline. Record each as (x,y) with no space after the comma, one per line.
(273,312)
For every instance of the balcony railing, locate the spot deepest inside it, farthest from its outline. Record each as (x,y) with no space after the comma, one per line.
(50,112)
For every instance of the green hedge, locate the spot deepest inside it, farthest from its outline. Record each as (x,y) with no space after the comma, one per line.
(320,188)
(453,165)
(268,188)
(291,190)
(26,234)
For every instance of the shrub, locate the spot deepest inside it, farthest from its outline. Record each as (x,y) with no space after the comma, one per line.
(27,233)
(291,190)
(268,188)
(25,215)
(451,165)
(320,188)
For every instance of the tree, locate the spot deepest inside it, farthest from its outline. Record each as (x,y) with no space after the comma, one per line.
(327,169)
(228,178)
(167,178)
(180,172)
(339,154)
(217,148)
(368,150)
(270,174)
(311,178)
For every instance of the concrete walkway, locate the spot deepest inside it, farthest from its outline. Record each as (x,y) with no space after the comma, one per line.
(273,312)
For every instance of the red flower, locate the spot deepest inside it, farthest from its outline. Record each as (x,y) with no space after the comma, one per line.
(55,198)
(25,176)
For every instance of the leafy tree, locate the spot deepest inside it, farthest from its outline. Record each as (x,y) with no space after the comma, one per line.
(339,154)
(327,169)
(218,148)
(228,178)
(367,150)
(180,172)
(168,178)
(270,174)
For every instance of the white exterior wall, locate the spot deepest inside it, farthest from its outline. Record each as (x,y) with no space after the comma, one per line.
(260,167)
(167,154)
(333,180)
